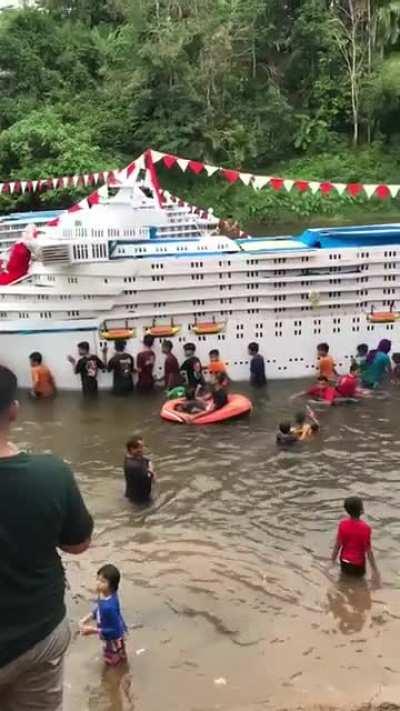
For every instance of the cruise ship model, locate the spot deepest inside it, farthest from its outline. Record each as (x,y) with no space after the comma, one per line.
(139,262)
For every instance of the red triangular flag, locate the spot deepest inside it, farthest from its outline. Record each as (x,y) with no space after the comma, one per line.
(74,208)
(54,222)
(326,188)
(5,188)
(169,161)
(130,169)
(17,187)
(383,192)
(195,166)
(302,185)
(230,175)
(354,189)
(94,198)
(276,183)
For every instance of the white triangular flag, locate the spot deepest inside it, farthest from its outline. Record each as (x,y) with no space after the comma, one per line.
(259,181)
(288,184)
(183,163)
(246,178)
(12,186)
(34,185)
(156,156)
(340,187)
(140,163)
(394,189)
(23,185)
(95,177)
(210,169)
(370,190)
(314,187)
(75,180)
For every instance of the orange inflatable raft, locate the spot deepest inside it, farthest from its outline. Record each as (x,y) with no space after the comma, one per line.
(238,405)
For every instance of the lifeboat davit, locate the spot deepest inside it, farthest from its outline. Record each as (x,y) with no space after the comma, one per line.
(238,405)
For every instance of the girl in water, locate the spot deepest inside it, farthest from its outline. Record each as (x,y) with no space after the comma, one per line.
(378,365)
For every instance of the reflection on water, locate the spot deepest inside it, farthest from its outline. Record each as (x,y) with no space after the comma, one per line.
(225,584)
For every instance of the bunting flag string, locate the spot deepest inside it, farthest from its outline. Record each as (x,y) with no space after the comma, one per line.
(113,178)
(381,191)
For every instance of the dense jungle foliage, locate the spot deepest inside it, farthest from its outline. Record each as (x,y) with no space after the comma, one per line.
(299,88)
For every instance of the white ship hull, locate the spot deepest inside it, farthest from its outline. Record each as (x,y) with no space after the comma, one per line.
(286,356)
(130,261)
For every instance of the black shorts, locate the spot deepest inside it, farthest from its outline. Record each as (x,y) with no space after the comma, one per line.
(356,571)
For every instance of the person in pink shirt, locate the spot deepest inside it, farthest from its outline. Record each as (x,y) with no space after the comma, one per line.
(347,384)
(353,541)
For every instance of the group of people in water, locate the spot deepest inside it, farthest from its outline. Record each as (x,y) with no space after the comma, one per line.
(188,379)
(368,369)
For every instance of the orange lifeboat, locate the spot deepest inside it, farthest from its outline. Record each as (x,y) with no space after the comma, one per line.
(118,333)
(237,406)
(382,317)
(163,331)
(202,328)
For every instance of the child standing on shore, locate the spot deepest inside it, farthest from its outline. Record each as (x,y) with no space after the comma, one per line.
(353,541)
(110,626)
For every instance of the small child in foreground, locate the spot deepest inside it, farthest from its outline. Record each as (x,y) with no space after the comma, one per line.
(110,626)
(353,541)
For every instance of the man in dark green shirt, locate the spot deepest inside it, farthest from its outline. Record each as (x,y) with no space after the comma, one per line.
(41,510)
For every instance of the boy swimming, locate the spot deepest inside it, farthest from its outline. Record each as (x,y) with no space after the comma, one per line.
(285,434)
(305,430)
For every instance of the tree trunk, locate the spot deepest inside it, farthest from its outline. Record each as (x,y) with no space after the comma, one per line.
(353,74)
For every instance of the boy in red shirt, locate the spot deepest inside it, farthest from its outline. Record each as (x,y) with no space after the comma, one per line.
(353,541)
(347,384)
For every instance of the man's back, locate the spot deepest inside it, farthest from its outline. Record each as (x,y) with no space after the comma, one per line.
(40,508)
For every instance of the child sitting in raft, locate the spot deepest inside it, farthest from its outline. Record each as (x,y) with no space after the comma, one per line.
(191,405)
(322,391)
(305,430)
(347,385)
(219,395)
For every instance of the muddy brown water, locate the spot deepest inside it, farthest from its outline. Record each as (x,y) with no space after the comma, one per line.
(224,581)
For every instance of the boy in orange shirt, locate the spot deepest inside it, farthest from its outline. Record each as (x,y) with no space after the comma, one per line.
(43,384)
(326,364)
(216,365)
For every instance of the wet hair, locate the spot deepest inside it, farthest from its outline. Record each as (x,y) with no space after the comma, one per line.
(168,345)
(120,346)
(300,417)
(148,340)
(189,347)
(323,379)
(253,347)
(111,574)
(354,368)
(84,346)
(8,388)
(220,378)
(396,358)
(134,442)
(362,349)
(285,427)
(314,427)
(214,353)
(353,505)
(36,357)
(323,347)
(384,345)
